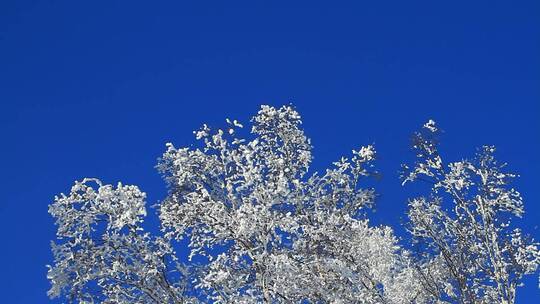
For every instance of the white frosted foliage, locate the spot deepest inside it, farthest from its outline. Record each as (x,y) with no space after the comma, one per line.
(259,227)
(464,225)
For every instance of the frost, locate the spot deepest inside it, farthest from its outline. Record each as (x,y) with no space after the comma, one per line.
(431,126)
(260,228)
(464,225)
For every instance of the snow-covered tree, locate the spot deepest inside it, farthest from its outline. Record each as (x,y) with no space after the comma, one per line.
(260,228)
(103,255)
(463,229)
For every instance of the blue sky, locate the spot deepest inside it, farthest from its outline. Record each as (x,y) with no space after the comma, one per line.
(96,88)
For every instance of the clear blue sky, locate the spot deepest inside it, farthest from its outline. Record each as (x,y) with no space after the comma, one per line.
(96,88)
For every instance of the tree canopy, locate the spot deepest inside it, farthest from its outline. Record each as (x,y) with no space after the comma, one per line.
(260,227)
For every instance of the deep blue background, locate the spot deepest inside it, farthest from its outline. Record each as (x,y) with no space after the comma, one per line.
(96,89)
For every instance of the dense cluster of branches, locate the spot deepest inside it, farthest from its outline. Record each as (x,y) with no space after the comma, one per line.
(260,229)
